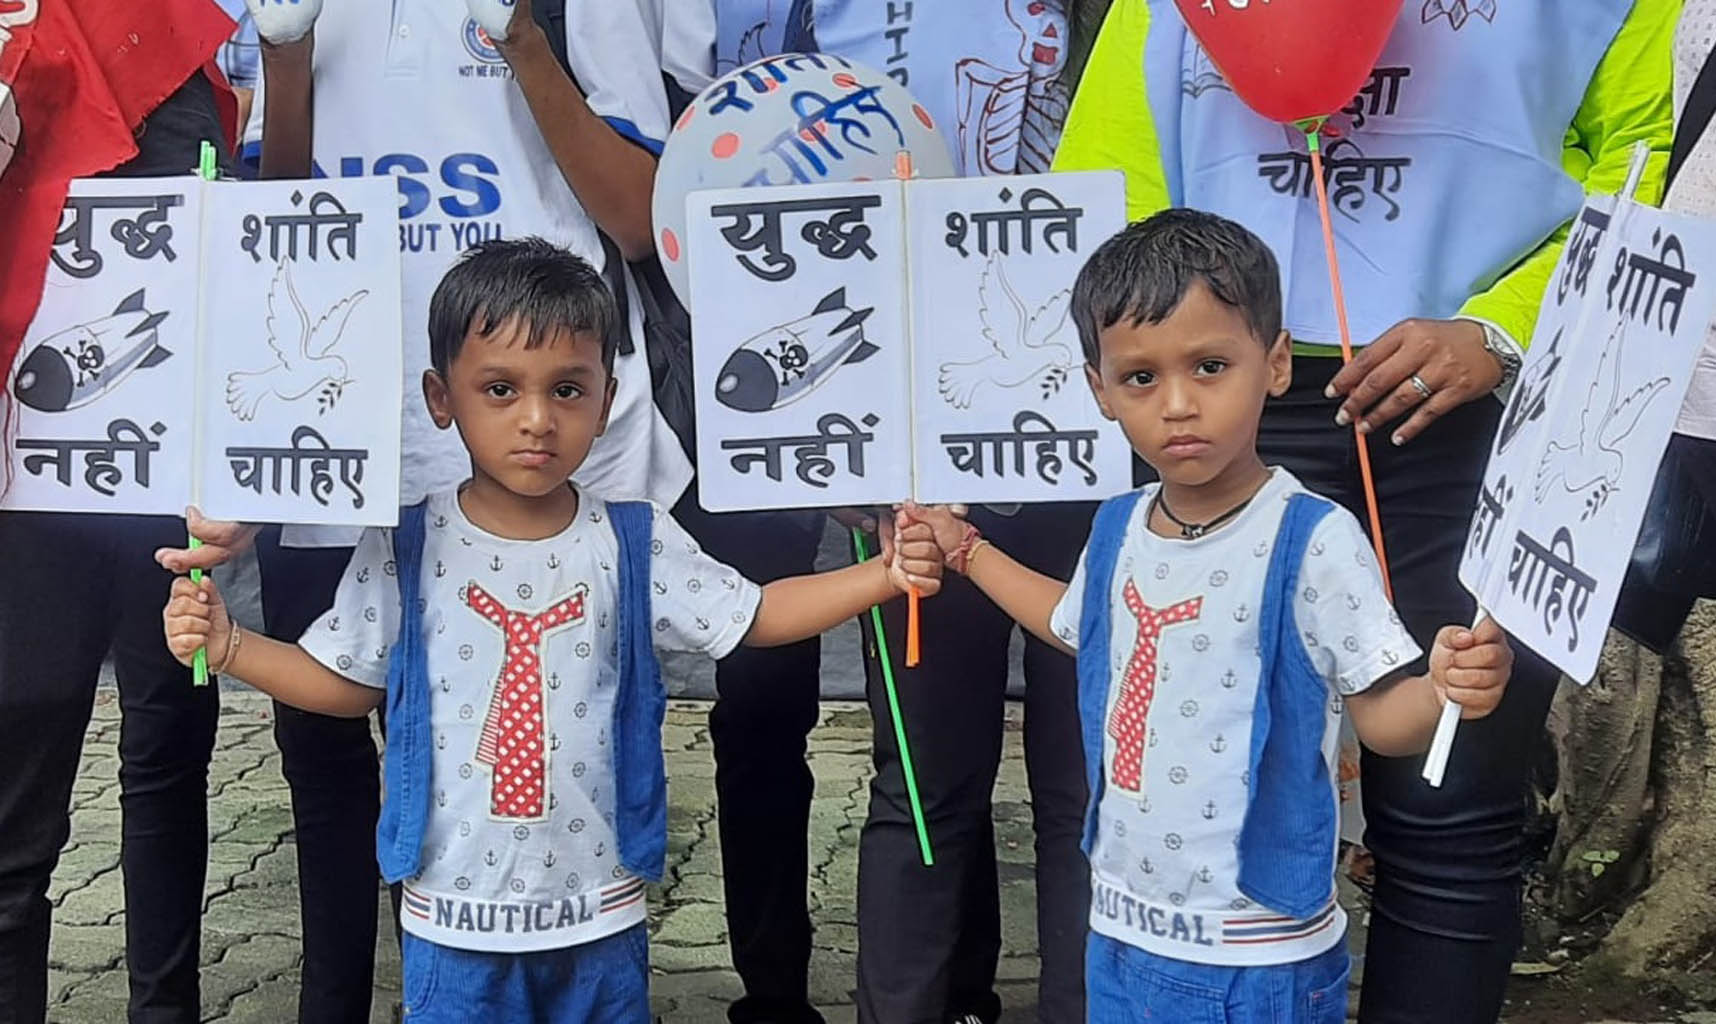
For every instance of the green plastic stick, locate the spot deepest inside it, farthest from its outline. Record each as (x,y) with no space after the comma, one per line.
(894,711)
(200,667)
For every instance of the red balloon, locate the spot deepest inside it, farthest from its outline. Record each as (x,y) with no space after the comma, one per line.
(1293,59)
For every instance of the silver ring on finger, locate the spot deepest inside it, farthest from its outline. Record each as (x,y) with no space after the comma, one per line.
(1424,390)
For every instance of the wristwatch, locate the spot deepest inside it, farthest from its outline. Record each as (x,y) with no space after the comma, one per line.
(1498,344)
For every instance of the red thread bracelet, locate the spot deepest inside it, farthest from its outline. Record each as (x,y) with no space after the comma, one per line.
(959,559)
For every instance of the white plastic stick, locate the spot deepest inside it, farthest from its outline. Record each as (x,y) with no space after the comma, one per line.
(1442,744)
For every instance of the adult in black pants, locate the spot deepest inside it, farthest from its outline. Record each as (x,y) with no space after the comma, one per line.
(768,703)
(77,588)
(929,938)
(992,76)
(331,766)
(1452,887)
(1445,303)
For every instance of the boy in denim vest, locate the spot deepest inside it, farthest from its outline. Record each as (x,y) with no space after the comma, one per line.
(1224,619)
(511,625)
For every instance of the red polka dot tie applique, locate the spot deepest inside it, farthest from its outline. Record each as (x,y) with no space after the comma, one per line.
(1129,720)
(513,743)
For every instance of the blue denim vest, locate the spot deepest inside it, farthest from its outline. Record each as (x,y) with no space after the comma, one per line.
(1287,840)
(640,774)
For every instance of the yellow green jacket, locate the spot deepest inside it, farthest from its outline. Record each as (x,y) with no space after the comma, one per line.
(1628,100)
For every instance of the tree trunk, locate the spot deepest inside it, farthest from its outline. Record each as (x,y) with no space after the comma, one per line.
(1638,777)
(1603,737)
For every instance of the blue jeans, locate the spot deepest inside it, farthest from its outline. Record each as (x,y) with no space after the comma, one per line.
(1125,985)
(601,982)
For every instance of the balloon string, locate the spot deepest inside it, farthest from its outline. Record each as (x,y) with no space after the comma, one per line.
(1314,142)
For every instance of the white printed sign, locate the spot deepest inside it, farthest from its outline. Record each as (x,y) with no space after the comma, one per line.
(104,381)
(301,417)
(245,357)
(800,353)
(868,342)
(1574,459)
(1002,408)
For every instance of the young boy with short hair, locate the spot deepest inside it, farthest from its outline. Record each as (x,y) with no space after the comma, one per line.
(1224,619)
(511,624)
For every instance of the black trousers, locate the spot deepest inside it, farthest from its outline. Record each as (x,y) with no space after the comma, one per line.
(929,938)
(1446,916)
(75,588)
(331,766)
(766,708)
(1671,567)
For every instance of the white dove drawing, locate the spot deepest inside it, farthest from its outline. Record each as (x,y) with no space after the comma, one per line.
(1592,460)
(304,364)
(1025,351)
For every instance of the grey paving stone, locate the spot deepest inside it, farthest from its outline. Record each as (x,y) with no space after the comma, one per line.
(275,867)
(668,958)
(837,936)
(268,1001)
(86,948)
(96,901)
(80,862)
(695,924)
(694,997)
(98,1000)
(256,823)
(61,982)
(252,910)
(697,888)
(251,923)
(245,965)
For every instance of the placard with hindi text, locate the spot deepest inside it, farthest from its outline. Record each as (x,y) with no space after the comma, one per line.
(234,345)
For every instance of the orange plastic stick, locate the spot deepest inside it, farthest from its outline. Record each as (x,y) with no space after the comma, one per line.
(912,629)
(1314,142)
(903,171)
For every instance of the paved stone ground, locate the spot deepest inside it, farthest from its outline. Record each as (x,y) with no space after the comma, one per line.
(250,937)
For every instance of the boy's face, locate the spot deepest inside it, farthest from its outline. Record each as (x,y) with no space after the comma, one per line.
(1188,392)
(528,416)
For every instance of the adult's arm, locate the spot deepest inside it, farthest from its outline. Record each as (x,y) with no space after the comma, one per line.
(612,175)
(288,95)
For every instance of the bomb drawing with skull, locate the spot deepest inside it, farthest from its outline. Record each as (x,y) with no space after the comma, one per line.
(74,367)
(784,363)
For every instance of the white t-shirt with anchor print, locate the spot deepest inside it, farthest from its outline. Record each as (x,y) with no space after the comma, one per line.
(1177,721)
(519,853)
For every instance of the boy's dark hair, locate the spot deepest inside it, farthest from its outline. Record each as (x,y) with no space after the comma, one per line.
(1144,271)
(545,287)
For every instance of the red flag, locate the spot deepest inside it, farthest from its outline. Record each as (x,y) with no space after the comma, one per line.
(83,74)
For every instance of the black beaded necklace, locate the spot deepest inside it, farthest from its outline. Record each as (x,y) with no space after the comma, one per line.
(1192,531)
